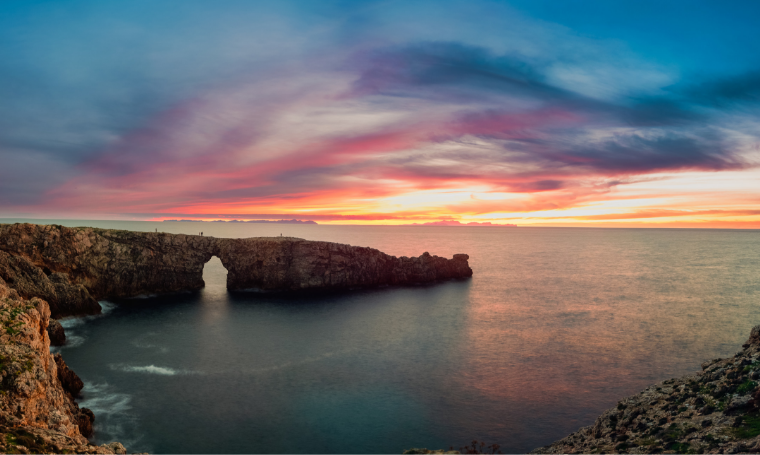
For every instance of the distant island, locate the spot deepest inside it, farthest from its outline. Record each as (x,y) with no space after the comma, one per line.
(249,221)
(457,223)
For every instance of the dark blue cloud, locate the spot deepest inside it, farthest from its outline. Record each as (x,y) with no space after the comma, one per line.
(741,90)
(671,131)
(80,80)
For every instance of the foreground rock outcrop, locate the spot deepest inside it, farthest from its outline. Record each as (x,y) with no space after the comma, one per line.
(74,267)
(56,333)
(30,280)
(38,413)
(714,411)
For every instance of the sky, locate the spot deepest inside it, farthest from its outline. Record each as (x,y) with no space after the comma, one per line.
(529,112)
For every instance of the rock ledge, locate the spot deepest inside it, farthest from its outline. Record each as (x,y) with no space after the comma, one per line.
(71,268)
(714,411)
(38,413)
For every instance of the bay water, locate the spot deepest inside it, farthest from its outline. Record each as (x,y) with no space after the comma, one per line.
(555,326)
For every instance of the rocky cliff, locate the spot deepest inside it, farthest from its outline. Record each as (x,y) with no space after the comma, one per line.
(37,409)
(73,267)
(289,264)
(714,411)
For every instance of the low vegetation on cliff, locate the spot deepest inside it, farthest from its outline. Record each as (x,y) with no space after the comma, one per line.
(714,411)
(38,413)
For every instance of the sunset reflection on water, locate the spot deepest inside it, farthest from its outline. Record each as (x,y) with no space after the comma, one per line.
(555,326)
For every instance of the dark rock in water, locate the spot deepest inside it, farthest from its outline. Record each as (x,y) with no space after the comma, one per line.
(85,420)
(56,333)
(72,267)
(645,423)
(69,380)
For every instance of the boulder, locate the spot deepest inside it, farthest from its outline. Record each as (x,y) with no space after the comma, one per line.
(69,380)
(56,333)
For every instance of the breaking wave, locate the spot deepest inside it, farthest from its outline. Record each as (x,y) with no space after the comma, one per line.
(141,343)
(72,324)
(150,369)
(114,420)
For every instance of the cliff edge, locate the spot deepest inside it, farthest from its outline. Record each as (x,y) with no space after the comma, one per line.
(38,413)
(714,411)
(71,268)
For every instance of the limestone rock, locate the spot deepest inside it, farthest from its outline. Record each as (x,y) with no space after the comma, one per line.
(714,411)
(56,333)
(85,420)
(74,266)
(30,280)
(72,299)
(291,264)
(37,415)
(69,380)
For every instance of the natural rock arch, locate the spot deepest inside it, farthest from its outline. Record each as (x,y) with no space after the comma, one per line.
(112,263)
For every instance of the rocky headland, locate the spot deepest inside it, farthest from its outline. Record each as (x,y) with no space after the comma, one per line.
(73,268)
(64,271)
(38,413)
(716,410)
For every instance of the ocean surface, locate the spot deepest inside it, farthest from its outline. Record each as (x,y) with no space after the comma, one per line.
(555,326)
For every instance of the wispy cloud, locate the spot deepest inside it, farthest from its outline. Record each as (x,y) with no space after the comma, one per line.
(353,123)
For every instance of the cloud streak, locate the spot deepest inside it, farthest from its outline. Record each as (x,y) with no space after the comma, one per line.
(355,125)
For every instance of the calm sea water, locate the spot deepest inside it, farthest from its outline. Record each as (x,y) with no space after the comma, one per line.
(556,325)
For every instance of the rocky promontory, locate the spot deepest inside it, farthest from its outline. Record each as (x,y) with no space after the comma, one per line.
(72,268)
(63,271)
(716,410)
(38,413)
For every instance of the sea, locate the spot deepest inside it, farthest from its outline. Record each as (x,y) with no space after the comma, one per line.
(555,326)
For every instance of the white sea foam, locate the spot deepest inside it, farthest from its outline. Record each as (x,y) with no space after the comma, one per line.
(102,400)
(141,343)
(106,306)
(150,369)
(70,323)
(73,341)
(73,321)
(114,420)
(306,361)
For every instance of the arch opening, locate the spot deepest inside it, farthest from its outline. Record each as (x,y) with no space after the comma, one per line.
(215,274)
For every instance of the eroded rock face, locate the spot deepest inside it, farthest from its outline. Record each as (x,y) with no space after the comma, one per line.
(37,415)
(714,411)
(110,263)
(30,280)
(72,267)
(291,264)
(64,270)
(56,333)
(69,380)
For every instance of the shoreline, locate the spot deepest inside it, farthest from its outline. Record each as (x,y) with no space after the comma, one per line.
(635,426)
(38,409)
(73,268)
(716,410)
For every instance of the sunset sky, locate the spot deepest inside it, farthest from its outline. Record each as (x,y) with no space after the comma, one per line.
(563,113)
